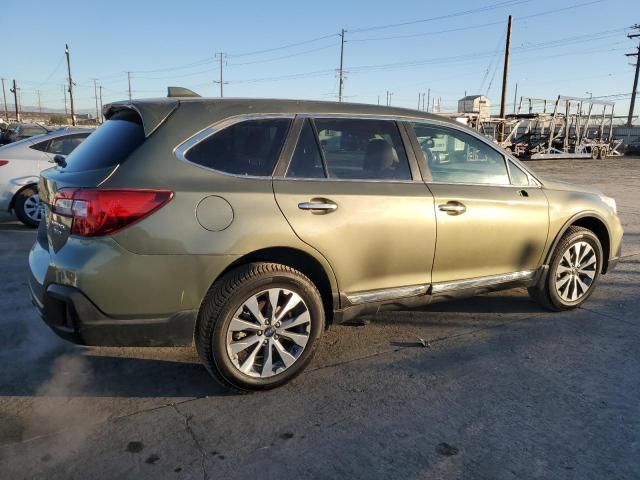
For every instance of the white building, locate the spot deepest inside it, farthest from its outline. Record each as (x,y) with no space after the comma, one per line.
(475,104)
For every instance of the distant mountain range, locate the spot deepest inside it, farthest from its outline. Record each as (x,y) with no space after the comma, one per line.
(32,109)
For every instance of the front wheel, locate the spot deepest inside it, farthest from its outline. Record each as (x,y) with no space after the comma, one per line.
(28,207)
(573,271)
(259,325)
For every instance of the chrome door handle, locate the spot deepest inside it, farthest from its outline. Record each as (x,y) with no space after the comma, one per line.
(318,205)
(452,208)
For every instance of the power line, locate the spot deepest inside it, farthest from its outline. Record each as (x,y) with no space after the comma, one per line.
(283,56)
(282,47)
(486,8)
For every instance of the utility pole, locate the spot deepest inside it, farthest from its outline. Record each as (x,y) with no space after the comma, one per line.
(378,99)
(95,93)
(221,81)
(419,99)
(341,85)
(14,90)
(428,98)
(515,98)
(4,96)
(129,80)
(101,105)
(39,102)
(64,92)
(73,113)
(635,79)
(423,94)
(505,77)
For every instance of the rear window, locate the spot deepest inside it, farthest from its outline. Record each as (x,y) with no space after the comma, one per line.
(246,148)
(109,145)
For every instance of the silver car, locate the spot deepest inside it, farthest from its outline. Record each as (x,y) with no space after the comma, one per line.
(21,163)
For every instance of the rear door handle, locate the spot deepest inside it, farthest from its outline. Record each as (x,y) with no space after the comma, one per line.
(318,206)
(453,208)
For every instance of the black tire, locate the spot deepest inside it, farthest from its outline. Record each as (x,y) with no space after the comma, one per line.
(226,296)
(21,198)
(603,153)
(547,296)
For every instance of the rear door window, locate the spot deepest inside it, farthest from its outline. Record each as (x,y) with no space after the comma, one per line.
(251,147)
(358,149)
(109,145)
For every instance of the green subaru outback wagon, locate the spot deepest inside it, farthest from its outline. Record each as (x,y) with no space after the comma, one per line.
(249,226)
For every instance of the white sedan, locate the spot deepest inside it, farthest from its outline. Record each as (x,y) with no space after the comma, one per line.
(21,163)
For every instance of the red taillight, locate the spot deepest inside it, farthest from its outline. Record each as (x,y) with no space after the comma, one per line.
(3,162)
(98,212)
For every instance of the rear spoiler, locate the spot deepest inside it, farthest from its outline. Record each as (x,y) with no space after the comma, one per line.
(153,112)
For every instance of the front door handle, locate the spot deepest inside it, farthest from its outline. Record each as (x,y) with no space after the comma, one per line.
(453,208)
(318,206)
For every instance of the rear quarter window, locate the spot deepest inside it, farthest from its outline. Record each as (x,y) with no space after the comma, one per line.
(251,147)
(109,145)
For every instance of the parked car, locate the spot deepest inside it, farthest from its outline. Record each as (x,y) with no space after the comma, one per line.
(25,130)
(21,163)
(6,130)
(251,225)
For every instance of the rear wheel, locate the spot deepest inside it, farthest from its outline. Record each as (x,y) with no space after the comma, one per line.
(573,271)
(28,207)
(259,325)
(595,152)
(603,153)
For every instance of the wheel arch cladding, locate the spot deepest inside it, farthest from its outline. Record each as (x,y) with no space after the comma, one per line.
(299,260)
(594,224)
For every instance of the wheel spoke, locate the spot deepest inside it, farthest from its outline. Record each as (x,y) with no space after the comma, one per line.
(241,345)
(294,322)
(574,292)
(293,302)
(299,338)
(562,269)
(583,286)
(250,360)
(286,357)
(239,325)
(254,308)
(587,250)
(589,273)
(274,294)
(267,367)
(562,282)
(591,261)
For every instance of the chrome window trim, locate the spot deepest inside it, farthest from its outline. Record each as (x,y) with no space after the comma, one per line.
(181,150)
(487,281)
(386,294)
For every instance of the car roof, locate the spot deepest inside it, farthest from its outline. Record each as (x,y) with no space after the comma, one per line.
(154,111)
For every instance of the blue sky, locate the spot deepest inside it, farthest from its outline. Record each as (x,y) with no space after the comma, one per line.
(564,47)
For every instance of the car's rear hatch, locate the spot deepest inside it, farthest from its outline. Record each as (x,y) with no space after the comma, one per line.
(90,165)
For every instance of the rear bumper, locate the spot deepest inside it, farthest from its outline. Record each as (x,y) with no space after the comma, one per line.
(72,316)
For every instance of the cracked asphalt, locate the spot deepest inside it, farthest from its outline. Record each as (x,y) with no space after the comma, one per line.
(487,388)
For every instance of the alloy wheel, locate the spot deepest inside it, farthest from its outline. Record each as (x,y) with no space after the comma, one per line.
(268,333)
(576,271)
(33,208)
